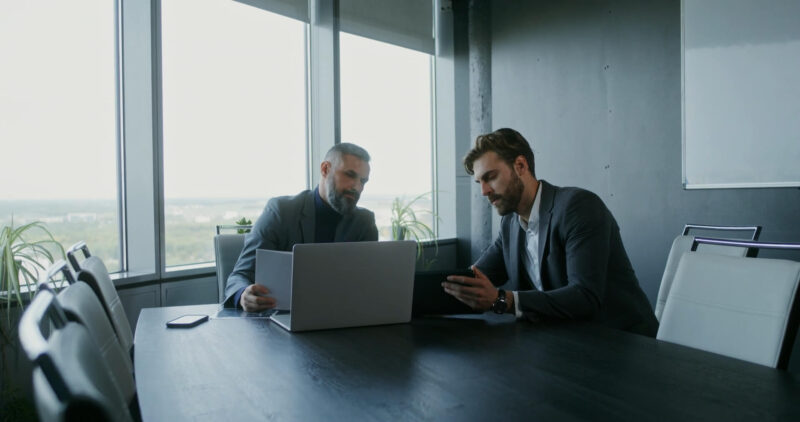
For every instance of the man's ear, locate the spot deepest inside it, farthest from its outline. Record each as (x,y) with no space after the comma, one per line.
(325,168)
(520,165)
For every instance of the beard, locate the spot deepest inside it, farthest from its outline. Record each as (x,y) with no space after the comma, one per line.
(509,201)
(338,201)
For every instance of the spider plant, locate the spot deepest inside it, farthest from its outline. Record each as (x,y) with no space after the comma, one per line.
(24,252)
(406,224)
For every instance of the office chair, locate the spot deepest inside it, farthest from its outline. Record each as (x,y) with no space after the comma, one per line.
(227,248)
(71,381)
(93,272)
(736,306)
(81,305)
(683,244)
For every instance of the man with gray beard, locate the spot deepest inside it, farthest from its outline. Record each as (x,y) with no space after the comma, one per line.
(326,214)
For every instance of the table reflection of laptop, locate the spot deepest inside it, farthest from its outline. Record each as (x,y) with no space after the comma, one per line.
(336,285)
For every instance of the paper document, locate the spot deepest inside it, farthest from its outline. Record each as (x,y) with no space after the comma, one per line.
(274,270)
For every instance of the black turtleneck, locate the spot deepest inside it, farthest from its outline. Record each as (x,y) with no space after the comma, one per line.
(325,220)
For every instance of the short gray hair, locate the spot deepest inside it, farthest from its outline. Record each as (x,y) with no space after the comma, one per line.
(335,153)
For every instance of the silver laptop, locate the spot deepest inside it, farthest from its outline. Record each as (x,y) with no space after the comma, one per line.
(336,285)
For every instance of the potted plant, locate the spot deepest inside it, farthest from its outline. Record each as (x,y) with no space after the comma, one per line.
(406,225)
(243,222)
(24,252)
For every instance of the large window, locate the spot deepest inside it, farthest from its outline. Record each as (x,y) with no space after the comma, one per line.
(234,118)
(386,108)
(140,136)
(58,121)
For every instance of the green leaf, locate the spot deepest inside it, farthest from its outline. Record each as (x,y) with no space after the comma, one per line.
(405,218)
(25,252)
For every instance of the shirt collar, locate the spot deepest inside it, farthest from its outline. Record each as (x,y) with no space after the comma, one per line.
(533,218)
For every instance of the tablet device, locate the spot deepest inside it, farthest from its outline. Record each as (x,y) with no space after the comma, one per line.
(430,297)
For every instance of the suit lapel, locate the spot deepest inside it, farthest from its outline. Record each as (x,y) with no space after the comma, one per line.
(545,213)
(307,219)
(518,243)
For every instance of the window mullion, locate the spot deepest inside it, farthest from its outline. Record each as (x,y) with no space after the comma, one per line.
(323,63)
(141,145)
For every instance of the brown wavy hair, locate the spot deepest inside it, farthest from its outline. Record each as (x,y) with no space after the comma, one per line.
(507,143)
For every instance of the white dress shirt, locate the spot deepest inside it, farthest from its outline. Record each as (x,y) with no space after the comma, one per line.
(531,256)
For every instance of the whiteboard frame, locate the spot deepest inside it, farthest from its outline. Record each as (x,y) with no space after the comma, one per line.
(685,182)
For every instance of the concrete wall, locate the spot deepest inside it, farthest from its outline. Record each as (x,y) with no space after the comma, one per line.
(595,87)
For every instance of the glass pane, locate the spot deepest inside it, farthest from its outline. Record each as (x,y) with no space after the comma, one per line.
(58,121)
(386,108)
(234,118)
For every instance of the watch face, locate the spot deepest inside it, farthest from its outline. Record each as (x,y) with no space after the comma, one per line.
(500,306)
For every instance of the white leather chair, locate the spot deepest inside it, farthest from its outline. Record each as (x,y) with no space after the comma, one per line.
(71,381)
(683,244)
(93,272)
(736,306)
(227,248)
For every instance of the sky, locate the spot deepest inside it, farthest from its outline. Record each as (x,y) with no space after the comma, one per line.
(57,112)
(233,100)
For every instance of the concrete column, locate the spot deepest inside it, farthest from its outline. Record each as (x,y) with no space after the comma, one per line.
(480,99)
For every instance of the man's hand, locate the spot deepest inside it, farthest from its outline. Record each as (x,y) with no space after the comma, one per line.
(255,299)
(477,292)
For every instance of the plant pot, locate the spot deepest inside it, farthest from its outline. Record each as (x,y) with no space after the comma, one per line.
(399,233)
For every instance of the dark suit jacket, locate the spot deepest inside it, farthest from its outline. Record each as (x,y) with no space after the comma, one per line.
(286,221)
(585,270)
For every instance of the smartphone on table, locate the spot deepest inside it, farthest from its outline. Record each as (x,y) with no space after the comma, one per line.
(187,321)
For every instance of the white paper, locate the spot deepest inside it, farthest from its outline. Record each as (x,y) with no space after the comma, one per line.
(274,270)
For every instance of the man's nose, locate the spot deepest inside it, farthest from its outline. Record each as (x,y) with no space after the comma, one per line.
(485,189)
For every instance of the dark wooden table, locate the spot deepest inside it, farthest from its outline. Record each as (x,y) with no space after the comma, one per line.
(454,368)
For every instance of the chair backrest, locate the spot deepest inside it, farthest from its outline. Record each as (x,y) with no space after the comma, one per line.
(736,306)
(238,228)
(683,244)
(70,380)
(93,272)
(82,306)
(746,233)
(227,248)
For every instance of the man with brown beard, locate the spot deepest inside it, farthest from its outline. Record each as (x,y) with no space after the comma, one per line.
(325,214)
(560,247)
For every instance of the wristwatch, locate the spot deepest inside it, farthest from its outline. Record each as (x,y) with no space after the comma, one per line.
(500,306)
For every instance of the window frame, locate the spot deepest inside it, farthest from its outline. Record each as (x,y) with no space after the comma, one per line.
(140,133)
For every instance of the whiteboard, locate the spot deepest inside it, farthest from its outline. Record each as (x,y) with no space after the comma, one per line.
(740,76)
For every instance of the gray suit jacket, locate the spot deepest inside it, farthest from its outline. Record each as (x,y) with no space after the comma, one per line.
(286,221)
(585,270)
